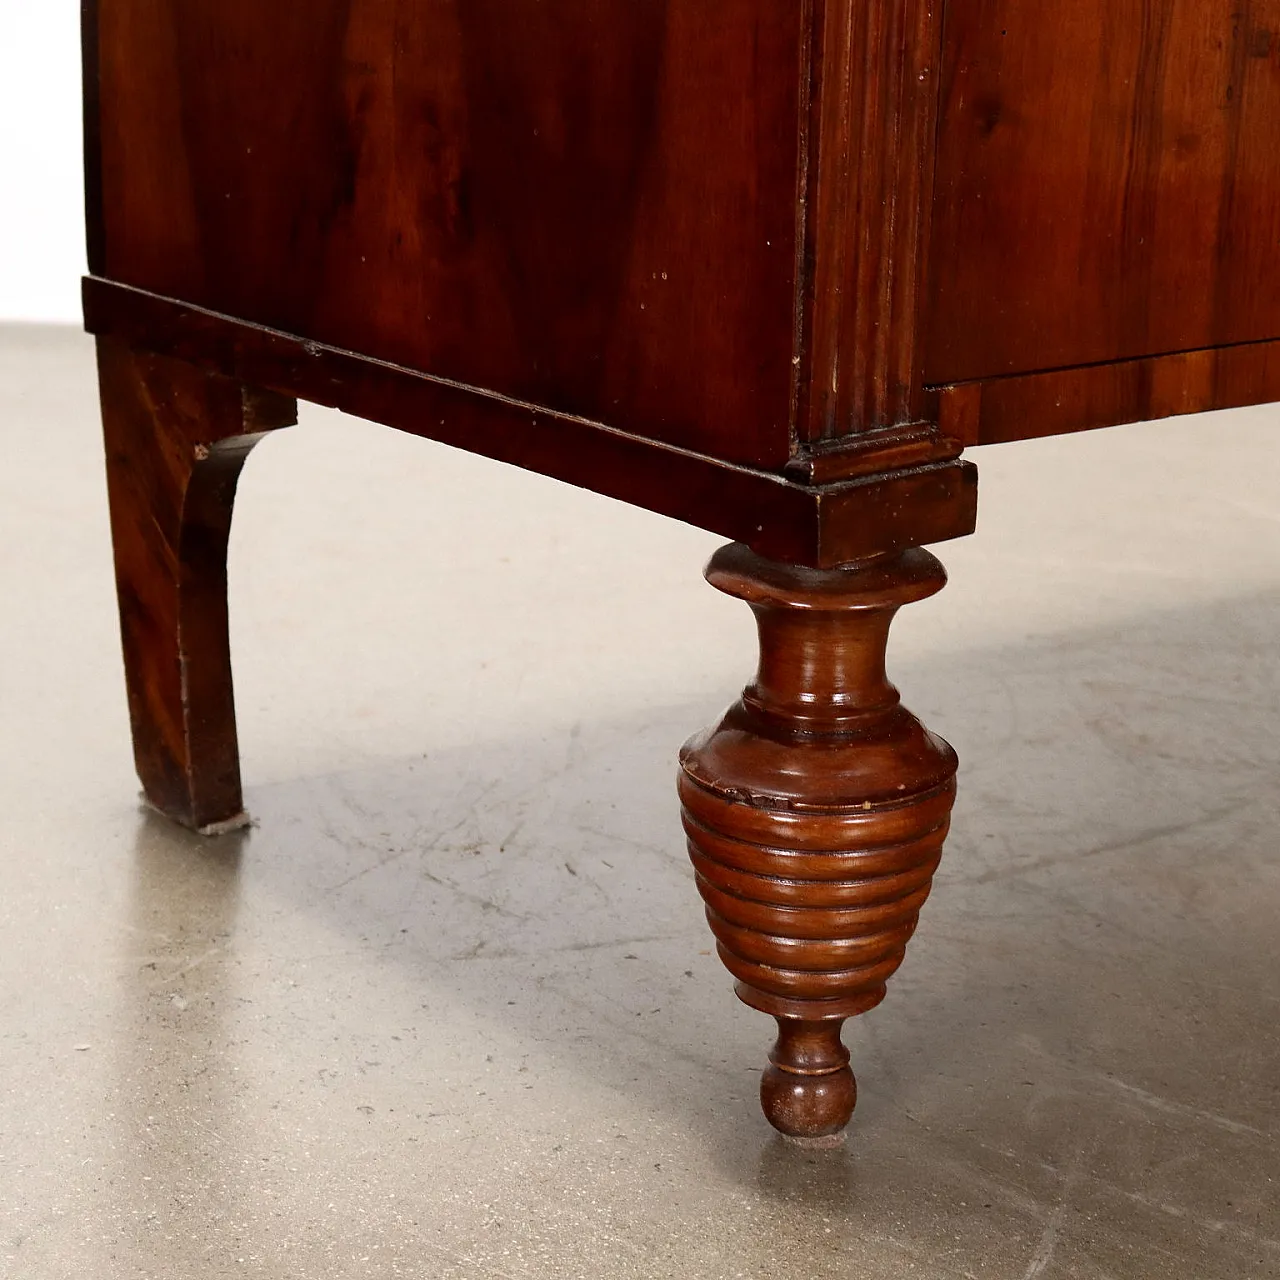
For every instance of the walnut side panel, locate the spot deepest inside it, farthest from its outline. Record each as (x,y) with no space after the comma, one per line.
(584,204)
(1108,183)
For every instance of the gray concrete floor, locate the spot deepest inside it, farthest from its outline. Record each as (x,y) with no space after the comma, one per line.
(449,1009)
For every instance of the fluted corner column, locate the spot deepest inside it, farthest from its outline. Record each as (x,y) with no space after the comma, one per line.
(816,811)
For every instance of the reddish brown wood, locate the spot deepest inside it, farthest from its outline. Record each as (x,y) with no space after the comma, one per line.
(815,524)
(706,228)
(869,174)
(816,812)
(700,225)
(1049,404)
(589,205)
(176,439)
(763,267)
(887,449)
(1108,183)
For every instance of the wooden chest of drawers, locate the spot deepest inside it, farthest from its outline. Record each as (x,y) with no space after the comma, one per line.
(765,267)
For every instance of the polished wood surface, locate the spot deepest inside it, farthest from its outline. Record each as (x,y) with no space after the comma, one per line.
(816,812)
(176,439)
(773,235)
(766,268)
(1066,400)
(862,510)
(1108,183)
(589,205)
(868,174)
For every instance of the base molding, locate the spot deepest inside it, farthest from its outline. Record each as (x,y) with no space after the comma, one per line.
(819,525)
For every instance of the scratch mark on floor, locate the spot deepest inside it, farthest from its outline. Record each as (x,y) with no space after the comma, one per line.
(1181,1109)
(411,847)
(479,952)
(1074,1171)
(1048,1245)
(1126,845)
(183,970)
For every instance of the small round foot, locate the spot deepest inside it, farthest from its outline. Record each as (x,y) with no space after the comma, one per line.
(808,1091)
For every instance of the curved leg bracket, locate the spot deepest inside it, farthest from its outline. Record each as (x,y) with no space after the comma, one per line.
(816,812)
(176,439)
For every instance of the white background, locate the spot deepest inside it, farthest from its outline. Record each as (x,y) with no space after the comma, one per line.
(42,252)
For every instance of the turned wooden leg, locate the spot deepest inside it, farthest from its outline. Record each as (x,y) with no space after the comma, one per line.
(176,438)
(816,812)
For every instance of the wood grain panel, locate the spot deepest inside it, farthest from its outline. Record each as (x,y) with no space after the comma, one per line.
(870,167)
(1108,182)
(587,204)
(1050,404)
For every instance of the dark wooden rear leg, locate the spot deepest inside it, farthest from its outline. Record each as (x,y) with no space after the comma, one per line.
(176,438)
(816,812)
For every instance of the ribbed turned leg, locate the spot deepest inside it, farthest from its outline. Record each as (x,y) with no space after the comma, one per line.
(816,812)
(176,439)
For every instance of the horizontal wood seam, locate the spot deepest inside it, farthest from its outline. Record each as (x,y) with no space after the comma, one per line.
(991,379)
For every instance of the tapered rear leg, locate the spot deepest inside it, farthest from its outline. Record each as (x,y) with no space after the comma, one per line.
(176,439)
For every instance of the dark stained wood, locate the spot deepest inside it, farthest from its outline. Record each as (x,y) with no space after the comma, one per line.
(819,525)
(642,210)
(588,205)
(700,224)
(816,812)
(1108,183)
(94,222)
(1048,404)
(869,166)
(764,267)
(176,438)
(887,449)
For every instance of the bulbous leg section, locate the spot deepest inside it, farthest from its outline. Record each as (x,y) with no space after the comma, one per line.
(808,1091)
(816,813)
